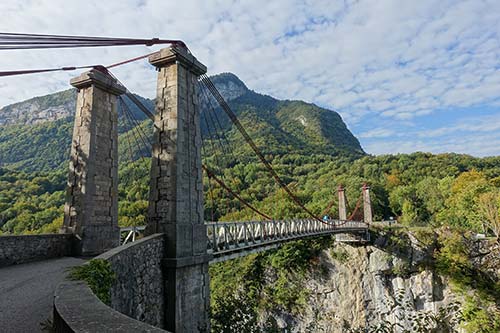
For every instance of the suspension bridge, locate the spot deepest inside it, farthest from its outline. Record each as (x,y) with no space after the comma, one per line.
(162,278)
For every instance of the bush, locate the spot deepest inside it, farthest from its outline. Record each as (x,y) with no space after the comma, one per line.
(98,275)
(401,268)
(340,255)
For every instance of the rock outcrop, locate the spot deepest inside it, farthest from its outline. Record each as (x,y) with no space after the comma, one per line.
(39,109)
(368,287)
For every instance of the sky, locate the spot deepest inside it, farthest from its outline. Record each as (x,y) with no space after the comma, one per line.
(404,75)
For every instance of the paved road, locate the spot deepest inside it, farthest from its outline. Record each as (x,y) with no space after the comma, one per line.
(26,293)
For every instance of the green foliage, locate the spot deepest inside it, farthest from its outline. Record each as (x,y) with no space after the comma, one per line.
(244,287)
(233,314)
(98,275)
(482,291)
(462,206)
(235,288)
(29,201)
(452,258)
(401,268)
(40,147)
(426,237)
(313,152)
(340,255)
(297,255)
(481,316)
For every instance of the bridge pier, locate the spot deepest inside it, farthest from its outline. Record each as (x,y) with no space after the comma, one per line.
(342,205)
(176,191)
(91,209)
(367,205)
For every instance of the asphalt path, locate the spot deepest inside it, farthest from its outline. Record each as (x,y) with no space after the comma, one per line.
(26,293)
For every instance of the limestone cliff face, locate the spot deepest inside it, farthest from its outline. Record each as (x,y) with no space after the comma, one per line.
(229,85)
(39,109)
(364,287)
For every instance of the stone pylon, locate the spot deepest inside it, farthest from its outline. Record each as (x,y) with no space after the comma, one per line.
(176,191)
(342,205)
(367,205)
(91,209)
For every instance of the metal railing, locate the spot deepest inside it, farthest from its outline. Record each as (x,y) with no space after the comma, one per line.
(128,234)
(224,237)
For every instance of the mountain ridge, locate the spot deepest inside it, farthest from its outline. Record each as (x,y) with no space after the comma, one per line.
(278,126)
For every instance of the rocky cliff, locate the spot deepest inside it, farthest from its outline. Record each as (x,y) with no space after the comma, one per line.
(402,281)
(367,287)
(39,109)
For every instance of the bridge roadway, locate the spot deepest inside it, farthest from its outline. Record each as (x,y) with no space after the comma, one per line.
(27,292)
(228,240)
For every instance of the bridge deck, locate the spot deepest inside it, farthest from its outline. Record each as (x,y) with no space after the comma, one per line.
(27,292)
(227,240)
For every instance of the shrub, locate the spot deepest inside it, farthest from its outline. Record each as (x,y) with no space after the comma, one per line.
(340,255)
(98,275)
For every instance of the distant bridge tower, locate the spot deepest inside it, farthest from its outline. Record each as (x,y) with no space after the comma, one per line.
(91,209)
(342,205)
(176,191)
(367,205)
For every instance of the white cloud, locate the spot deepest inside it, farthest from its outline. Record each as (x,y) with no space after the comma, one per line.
(378,133)
(461,144)
(478,136)
(387,59)
(484,124)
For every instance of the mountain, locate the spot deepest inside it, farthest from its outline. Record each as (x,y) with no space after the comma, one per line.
(35,134)
(39,109)
(289,125)
(441,201)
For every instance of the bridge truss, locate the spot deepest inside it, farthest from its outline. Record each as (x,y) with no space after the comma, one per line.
(228,240)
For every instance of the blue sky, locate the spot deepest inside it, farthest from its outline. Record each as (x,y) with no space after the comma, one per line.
(405,75)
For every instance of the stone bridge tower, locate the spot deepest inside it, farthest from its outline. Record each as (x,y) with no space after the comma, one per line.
(367,204)
(342,204)
(91,209)
(176,191)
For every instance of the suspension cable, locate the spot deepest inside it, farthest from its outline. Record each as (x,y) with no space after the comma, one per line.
(73,68)
(211,87)
(329,207)
(131,155)
(358,202)
(215,153)
(210,174)
(21,41)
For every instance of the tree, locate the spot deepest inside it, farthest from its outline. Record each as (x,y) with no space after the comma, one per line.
(489,208)
(462,204)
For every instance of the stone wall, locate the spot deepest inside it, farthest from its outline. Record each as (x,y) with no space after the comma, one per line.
(21,249)
(138,291)
(136,296)
(77,309)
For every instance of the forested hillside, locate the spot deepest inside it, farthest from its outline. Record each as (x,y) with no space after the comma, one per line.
(313,152)
(419,189)
(278,126)
(310,147)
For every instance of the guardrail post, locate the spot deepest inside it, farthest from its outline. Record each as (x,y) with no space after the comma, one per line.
(214,235)
(245,237)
